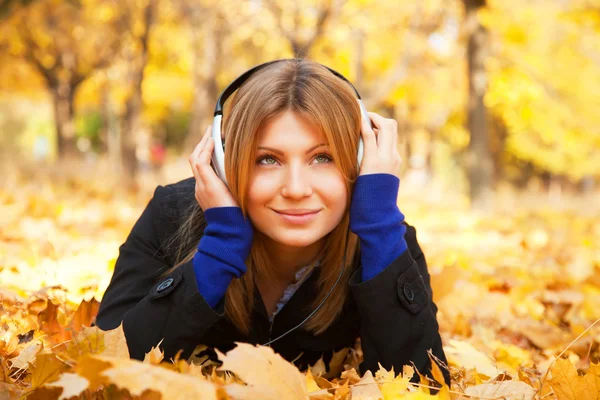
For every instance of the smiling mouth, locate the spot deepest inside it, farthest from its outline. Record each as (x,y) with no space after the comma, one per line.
(299,218)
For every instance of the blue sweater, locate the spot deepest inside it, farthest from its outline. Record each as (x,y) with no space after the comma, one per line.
(374,218)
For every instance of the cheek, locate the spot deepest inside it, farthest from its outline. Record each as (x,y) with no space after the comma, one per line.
(260,189)
(335,193)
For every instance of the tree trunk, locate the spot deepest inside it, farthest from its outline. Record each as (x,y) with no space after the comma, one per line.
(480,165)
(130,126)
(131,123)
(64,120)
(207,56)
(110,129)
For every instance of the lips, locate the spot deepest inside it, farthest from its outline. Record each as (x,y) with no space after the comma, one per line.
(297,211)
(299,216)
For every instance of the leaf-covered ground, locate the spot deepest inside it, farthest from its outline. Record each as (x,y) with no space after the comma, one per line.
(518,295)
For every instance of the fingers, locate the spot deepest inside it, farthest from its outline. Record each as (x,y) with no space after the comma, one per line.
(368,136)
(206,153)
(388,130)
(194,158)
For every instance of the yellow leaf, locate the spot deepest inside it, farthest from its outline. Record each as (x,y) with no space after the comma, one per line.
(72,385)
(47,367)
(155,355)
(509,390)
(115,343)
(568,385)
(314,391)
(366,389)
(392,387)
(27,356)
(267,374)
(93,340)
(318,369)
(463,354)
(137,377)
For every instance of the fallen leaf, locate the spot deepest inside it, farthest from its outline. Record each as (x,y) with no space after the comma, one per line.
(366,389)
(509,390)
(568,385)
(45,369)
(72,385)
(27,356)
(264,371)
(137,377)
(464,354)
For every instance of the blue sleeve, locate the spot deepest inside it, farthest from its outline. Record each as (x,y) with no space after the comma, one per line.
(222,252)
(377,221)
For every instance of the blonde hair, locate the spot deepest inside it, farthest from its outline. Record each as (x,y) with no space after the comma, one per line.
(313,92)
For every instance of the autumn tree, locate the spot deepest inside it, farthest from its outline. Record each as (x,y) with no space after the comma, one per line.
(480,166)
(139,18)
(65,42)
(208,27)
(301,29)
(543,86)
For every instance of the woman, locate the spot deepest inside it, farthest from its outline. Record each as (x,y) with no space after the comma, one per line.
(214,263)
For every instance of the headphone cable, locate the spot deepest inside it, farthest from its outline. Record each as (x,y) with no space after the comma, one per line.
(322,302)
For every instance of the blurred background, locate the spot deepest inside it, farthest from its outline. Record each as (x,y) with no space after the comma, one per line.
(497,106)
(491,96)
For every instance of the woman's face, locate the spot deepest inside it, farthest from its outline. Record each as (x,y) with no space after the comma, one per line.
(294,173)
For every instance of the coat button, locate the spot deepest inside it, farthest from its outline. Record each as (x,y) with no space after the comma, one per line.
(165,284)
(408,292)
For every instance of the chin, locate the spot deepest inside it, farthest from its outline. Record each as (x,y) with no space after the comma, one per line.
(295,239)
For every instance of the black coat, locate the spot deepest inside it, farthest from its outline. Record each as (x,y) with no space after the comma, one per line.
(393,312)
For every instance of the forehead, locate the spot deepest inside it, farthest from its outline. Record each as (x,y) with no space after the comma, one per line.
(289,129)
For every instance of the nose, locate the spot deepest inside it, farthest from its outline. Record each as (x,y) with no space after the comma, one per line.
(297,182)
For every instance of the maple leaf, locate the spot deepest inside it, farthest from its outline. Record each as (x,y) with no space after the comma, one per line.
(93,340)
(267,374)
(464,354)
(137,377)
(71,384)
(155,355)
(84,315)
(48,320)
(366,388)
(568,385)
(27,356)
(393,386)
(314,390)
(46,368)
(509,390)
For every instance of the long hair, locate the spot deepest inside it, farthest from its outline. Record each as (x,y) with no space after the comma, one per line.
(311,91)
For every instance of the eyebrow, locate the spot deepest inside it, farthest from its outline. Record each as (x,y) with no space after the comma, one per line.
(281,152)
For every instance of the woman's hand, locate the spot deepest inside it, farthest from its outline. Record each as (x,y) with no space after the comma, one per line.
(210,190)
(381,153)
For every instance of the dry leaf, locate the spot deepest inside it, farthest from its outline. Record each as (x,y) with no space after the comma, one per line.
(568,385)
(509,390)
(137,377)
(264,371)
(366,389)
(72,385)
(27,356)
(464,354)
(155,355)
(392,386)
(45,369)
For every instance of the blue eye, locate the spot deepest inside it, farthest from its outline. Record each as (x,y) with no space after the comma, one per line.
(324,156)
(321,158)
(261,159)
